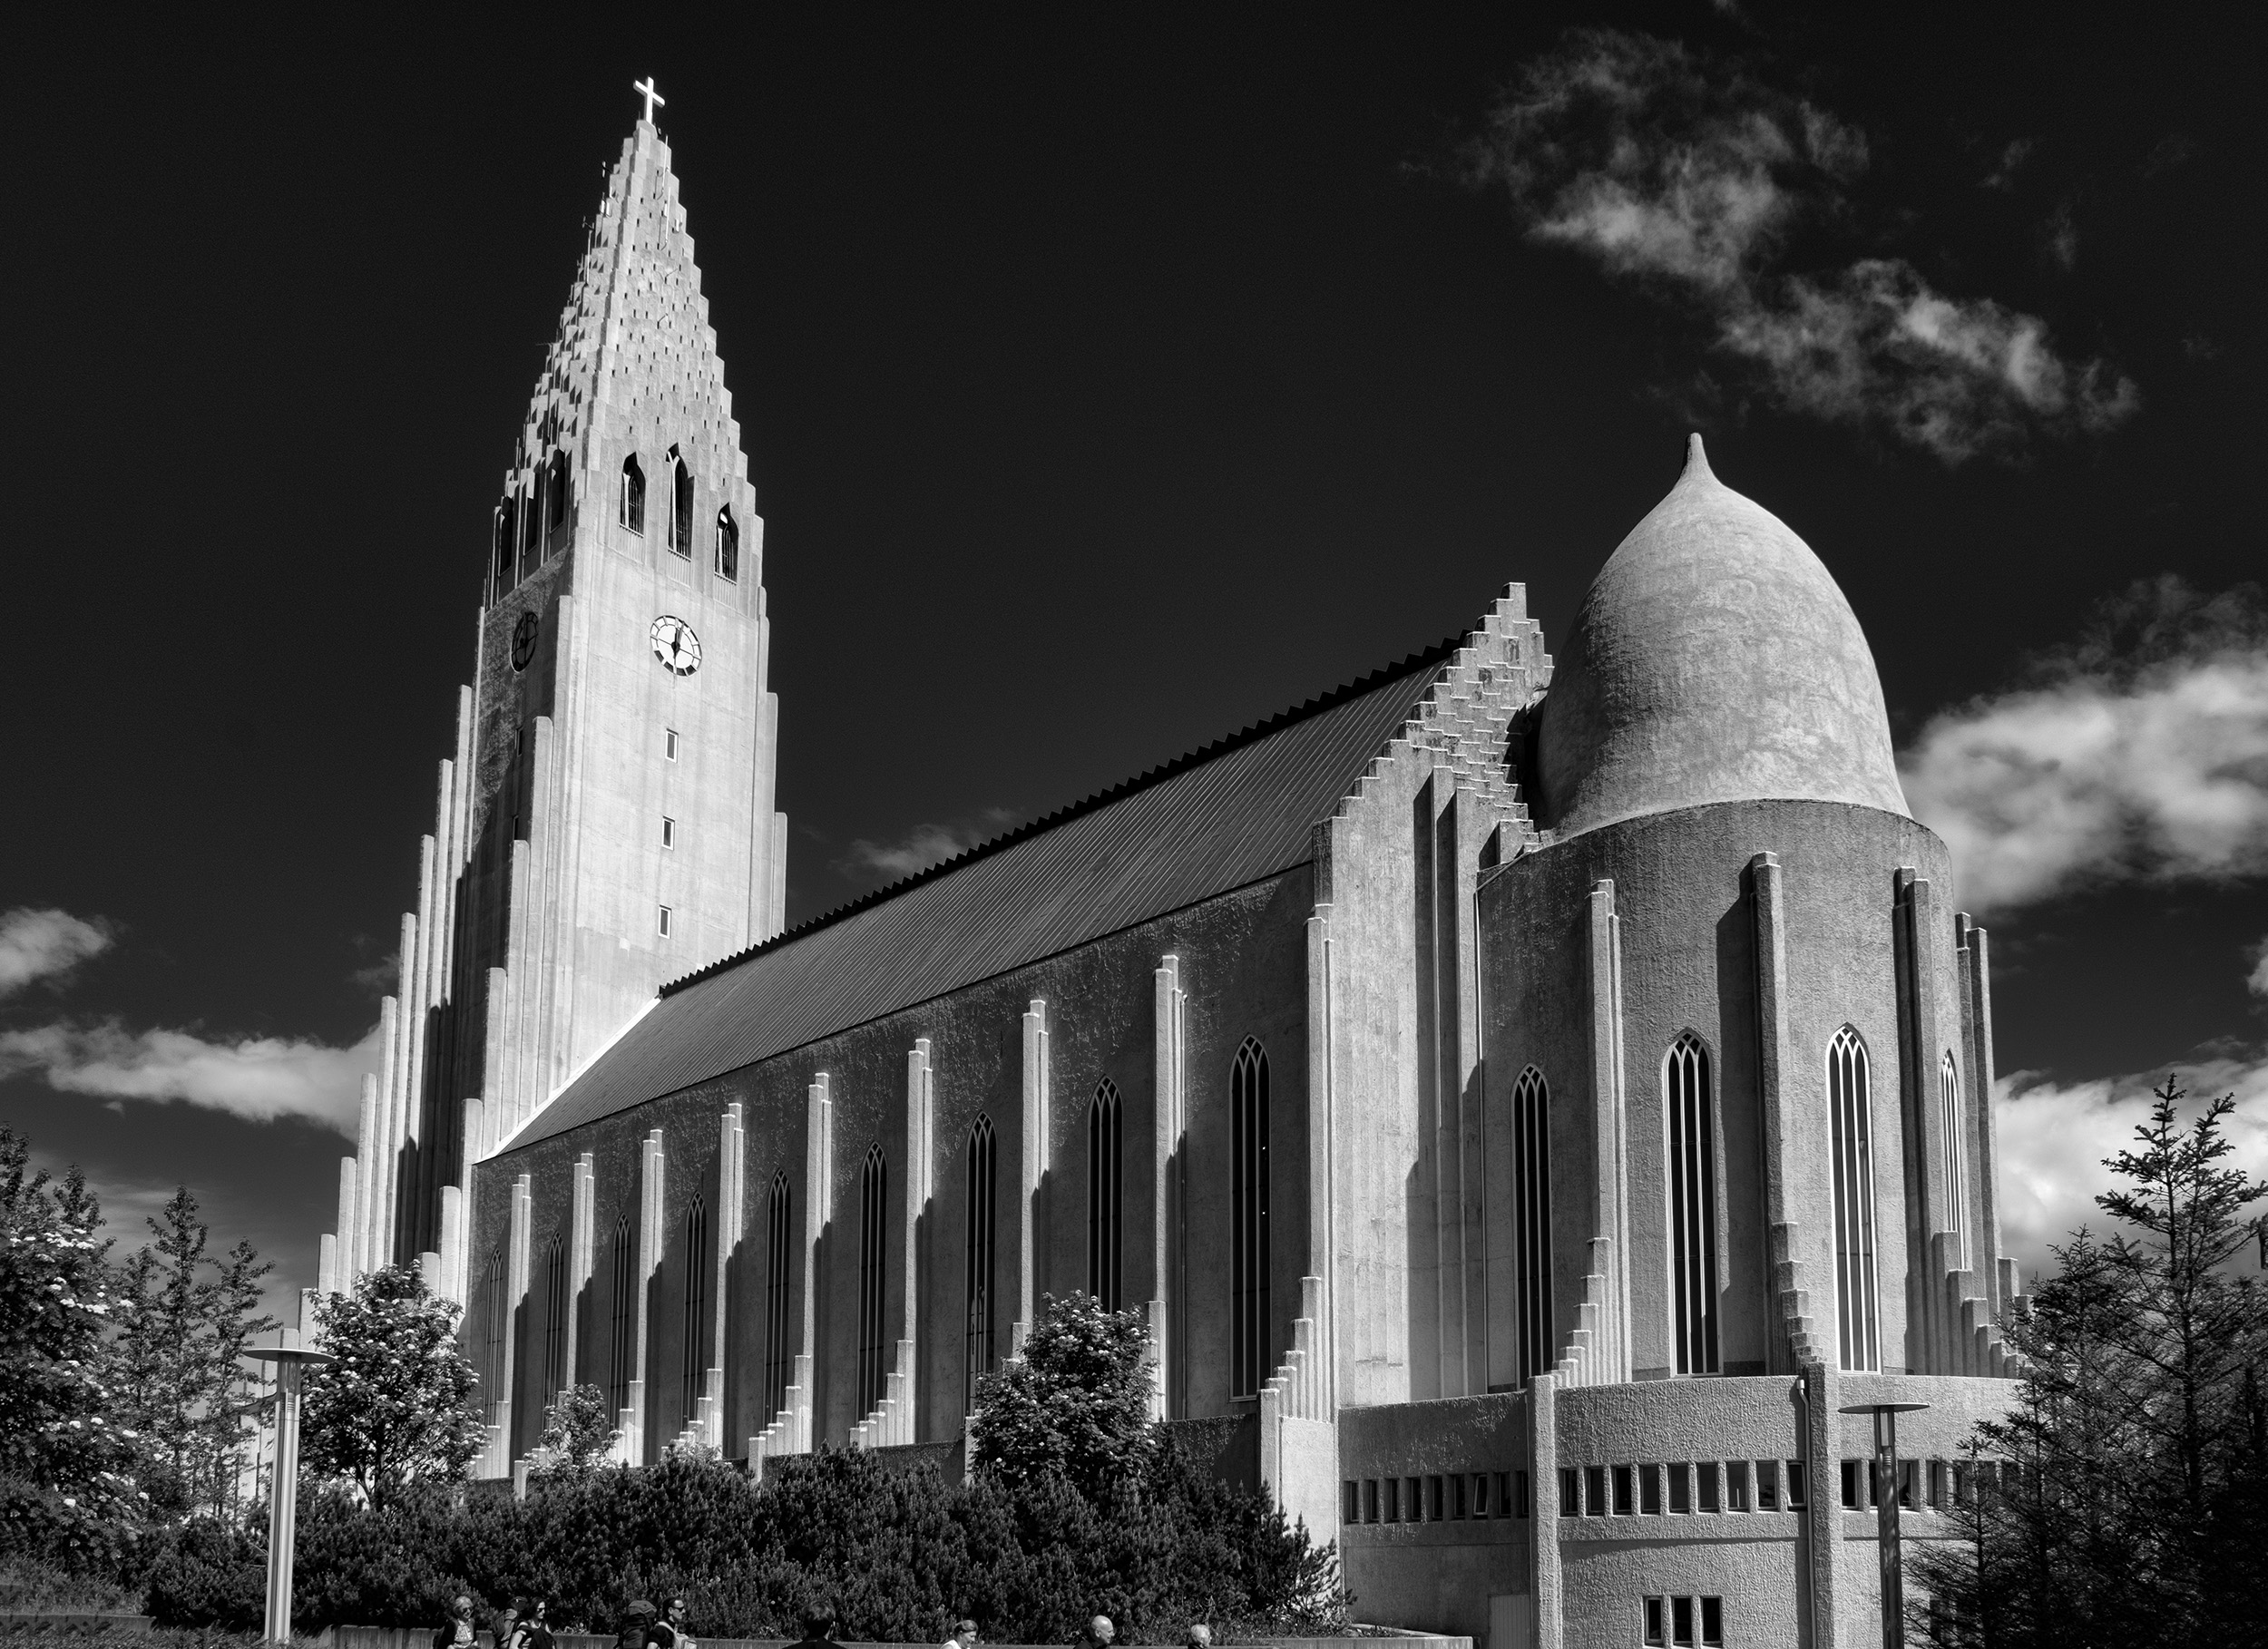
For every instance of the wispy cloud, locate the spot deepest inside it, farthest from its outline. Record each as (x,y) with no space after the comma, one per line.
(37,945)
(2142,753)
(922,847)
(2257,979)
(2054,1137)
(259,1078)
(1693,176)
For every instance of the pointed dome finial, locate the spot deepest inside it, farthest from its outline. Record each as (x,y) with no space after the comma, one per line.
(1697,461)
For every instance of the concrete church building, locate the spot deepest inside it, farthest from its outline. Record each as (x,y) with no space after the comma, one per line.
(1537,1099)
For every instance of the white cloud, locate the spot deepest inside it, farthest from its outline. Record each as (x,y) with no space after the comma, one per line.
(924,846)
(259,1078)
(45,945)
(2141,755)
(2054,1137)
(1692,175)
(2258,978)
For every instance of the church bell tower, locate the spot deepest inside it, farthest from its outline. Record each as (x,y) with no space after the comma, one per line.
(607,822)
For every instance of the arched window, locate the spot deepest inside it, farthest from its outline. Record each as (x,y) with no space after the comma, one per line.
(1692,1206)
(874,1212)
(1850,1103)
(555,496)
(1531,1219)
(554,1319)
(1956,1125)
(524,508)
(696,1304)
(493,1361)
(779,1240)
(633,503)
(1102,1195)
(1248,1216)
(727,544)
(680,505)
(622,1359)
(500,554)
(982,1165)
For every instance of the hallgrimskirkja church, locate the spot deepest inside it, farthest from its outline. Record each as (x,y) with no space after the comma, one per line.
(1538,1098)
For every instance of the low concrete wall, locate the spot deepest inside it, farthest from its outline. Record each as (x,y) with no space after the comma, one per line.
(418,1637)
(76,1623)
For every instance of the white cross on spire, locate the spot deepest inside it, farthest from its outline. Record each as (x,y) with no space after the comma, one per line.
(645,88)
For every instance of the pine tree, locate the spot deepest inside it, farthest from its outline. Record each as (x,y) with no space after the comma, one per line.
(2130,1505)
(399,1403)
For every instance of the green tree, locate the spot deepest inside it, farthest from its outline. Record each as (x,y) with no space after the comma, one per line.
(184,1319)
(1076,1405)
(67,1493)
(578,1431)
(2129,1504)
(399,1405)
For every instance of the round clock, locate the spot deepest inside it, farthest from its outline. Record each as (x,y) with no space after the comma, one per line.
(525,635)
(676,645)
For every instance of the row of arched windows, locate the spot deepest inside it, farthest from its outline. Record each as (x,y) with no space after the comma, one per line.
(679,527)
(529,523)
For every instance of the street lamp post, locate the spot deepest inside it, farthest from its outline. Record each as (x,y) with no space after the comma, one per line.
(1885,1474)
(290,1357)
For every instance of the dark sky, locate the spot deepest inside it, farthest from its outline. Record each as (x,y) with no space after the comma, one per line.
(1105,388)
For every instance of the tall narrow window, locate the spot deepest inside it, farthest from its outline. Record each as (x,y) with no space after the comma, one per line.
(696,1304)
(633,501)
(501,556)
(1249,1255)
(1849,1102)
(622,1343)
(493,1285)
(983,1161)
(1102,1195)
(554,1319)
(1692,1206)
(1531,1218)
(727,544)
(527,512)
(1956,1128)
(779,1241)
(555,496)
(680,507)
(874,1211)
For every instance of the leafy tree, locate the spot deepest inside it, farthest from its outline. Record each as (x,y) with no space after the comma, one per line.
(2130,1502)
(1077,1405)
(578,1431)
(67,1494)
(399,1404)
(184,1319)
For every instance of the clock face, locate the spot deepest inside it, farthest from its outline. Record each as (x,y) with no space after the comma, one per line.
(525,635)
(676,645)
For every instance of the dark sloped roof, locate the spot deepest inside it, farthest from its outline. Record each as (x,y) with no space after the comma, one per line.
(1222,817)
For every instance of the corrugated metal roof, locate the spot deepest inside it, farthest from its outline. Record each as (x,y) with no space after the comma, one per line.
(1221,817)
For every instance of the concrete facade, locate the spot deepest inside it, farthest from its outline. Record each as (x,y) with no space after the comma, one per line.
(1626,1113)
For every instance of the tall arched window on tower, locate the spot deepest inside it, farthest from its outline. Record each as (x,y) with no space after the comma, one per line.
(680,505)
(1102,1195)
(526,510)
(555,504)
(697,1261)
(632,507)
(493,1351)
(1531,1219)
(1849,1102)
(1955,1120)
(779,1240)
(873,1242)
(621,1348)
(554,1319)
(727,544)
(1692,1206)
(502,538)
(982,1180)
(1248,1216)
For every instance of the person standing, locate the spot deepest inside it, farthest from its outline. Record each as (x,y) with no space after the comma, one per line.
(964,1636)
(536,1628)
(1100,1634)
(637,1623)
(670,1633)
(1199,1637)
(458,1634)
(817,1625)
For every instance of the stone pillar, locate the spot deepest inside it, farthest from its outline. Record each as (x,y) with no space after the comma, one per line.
(1543,1492)
(582,1239)
(731,1157)
(1167,1306)
(1610,1349)
(1032,1166)
(818,1213)
(515,1316)
(651,1166)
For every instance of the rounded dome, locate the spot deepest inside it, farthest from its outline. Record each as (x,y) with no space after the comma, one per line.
(1713,659)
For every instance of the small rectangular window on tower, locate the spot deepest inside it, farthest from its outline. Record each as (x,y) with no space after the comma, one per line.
(662,927)
(670,744)
(669,830)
